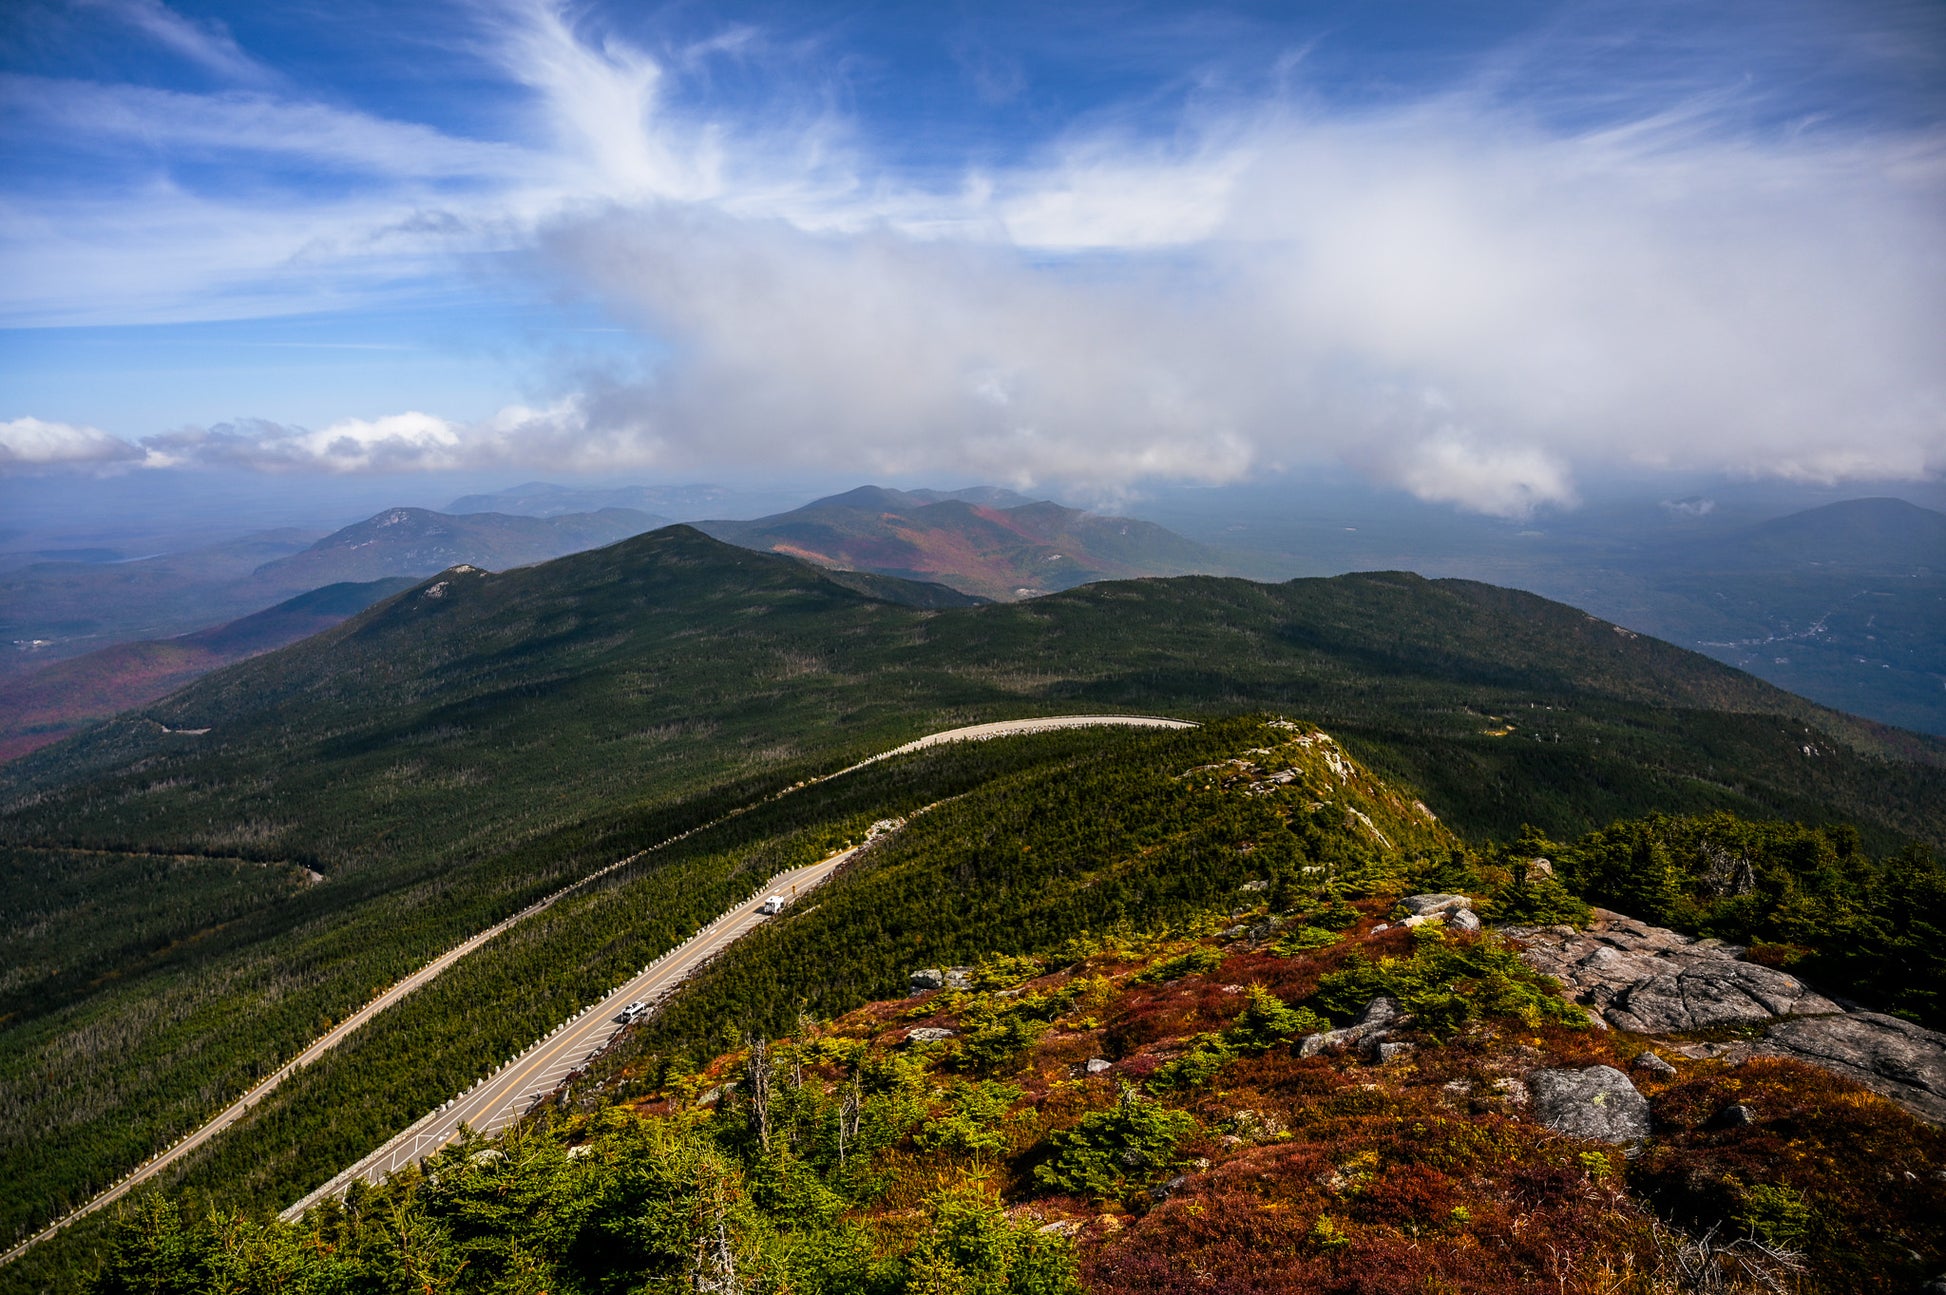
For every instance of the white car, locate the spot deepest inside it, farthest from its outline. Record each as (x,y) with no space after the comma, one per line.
(634,1010)
(772,906)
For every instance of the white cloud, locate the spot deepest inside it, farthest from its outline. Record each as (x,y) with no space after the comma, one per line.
(29,444)
(558,437)
(1652,297)
(1506,482)
(1450,295)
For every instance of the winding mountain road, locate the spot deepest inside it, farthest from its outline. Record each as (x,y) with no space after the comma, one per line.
(515,1087)
(520,1084)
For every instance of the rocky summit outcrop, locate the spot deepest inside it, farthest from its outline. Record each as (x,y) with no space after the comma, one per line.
(928,979)
(1598,1102)
(1905,1062)
(1650,980)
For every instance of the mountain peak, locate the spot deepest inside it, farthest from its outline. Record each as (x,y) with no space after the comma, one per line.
(983,540)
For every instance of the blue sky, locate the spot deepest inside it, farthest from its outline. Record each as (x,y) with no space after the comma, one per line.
(1483,254)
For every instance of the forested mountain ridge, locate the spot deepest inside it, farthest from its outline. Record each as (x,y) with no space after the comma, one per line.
(640,646)
(474,741)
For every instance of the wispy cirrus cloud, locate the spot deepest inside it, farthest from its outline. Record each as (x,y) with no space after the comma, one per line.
(207,44)
(254,123)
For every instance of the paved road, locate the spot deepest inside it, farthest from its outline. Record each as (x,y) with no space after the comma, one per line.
(660,977)
(516,1087)
(1016,727)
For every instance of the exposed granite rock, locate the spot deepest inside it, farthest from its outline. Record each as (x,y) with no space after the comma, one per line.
(1598,1102)
(1643,978)
(1434,905)
(1634,976)
(1464,920)
(930,978)
(1905,1062)
(1373,1024)
(1654,1065)
(929,1034)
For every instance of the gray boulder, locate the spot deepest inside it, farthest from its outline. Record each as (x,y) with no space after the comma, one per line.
(1434,905)
(920,982)
(1598,1103)
(1708,992)
(1464,920)
(1653,1064)
(1373,1024)
(928,1034)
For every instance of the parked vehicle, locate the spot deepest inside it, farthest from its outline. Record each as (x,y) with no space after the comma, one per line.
(772,906)
(634,1010)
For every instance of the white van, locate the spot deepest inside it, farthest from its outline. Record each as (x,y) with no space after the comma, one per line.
(772,906)
(634,1010)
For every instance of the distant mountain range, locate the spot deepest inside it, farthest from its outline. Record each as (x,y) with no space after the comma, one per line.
(418,542)
(1885,535)
(131,613)
(539,499)
(985,541)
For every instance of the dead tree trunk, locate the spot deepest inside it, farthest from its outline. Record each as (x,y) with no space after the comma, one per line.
(760,1090)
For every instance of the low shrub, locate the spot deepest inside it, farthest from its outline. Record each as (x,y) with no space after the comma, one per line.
(1446,982)
(1113,1154)
(1194,962)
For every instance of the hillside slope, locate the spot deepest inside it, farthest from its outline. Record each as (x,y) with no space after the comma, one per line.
(1845,604)
(43,707)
